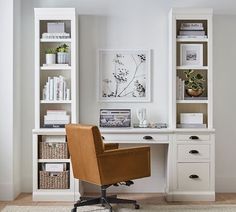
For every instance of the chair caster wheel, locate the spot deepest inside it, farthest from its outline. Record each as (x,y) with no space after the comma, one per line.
(136,206)
(74,210)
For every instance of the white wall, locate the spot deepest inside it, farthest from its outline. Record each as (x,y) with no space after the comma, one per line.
(136,24)
(10,177)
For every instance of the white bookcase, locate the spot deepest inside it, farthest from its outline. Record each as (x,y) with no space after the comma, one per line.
(193,149)
(70,74)
(202,104)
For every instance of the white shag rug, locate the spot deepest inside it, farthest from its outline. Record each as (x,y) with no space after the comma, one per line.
(143,208)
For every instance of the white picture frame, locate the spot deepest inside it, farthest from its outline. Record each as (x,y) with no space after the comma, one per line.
(191,54)
(124,75)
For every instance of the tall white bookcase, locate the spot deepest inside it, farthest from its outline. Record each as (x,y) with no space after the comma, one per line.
(68,17)
(193,149)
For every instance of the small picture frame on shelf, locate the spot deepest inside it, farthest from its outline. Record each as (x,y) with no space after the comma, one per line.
(191,54)
(115,118)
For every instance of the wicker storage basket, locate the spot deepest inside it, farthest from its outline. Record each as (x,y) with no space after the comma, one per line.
(53,150)
(47,180)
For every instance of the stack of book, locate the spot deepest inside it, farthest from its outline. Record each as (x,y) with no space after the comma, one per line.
(62,35)
(56,119)
(56,89)
(180,88)
(192,30)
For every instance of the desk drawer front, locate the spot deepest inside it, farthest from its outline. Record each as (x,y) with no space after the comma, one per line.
(193,176)
(193,152)
(135,137)
(192,137)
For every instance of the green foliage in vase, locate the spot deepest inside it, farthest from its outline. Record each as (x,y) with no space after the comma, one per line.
(50,51)
(194,80)
(63,48)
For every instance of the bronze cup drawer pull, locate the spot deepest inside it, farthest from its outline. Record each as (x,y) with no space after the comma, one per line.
(193,176)
(193,152)
(147,137)
(194,137)
(103,138)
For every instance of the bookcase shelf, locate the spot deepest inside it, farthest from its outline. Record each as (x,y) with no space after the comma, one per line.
(62,76)
(192,101)
(48,68)
(55,102)
(192,40)
(54,160)
(44,40)
(192,67)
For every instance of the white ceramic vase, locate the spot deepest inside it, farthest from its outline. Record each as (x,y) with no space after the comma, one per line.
(50,58)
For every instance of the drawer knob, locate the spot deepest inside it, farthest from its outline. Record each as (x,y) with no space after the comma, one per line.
(193,152)
(194,137)
(193,176)
(147,137)
(103,138)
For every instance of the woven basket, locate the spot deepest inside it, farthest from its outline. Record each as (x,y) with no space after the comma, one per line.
(59,180)
(53,150)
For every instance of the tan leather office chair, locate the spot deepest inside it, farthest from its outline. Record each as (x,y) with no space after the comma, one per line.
(104,164)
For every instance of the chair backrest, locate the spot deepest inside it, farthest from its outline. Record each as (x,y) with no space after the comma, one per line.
(84,144)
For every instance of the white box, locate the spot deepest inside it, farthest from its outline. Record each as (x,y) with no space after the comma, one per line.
(191,118)
(54,167)
(56,27)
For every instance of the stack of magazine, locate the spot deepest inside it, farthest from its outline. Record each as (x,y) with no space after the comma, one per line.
(56,119)
(192,30)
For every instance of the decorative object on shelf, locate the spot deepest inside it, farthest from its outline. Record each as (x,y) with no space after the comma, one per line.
(55,36)
(115,118)
(191,54)
(56,89)
(50,56)
(191,120)
(141,115)
(194,83)
(62,54)
(55,27)
(124,75)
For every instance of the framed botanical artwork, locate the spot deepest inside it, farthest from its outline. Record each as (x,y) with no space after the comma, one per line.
(191,54)
(124,75)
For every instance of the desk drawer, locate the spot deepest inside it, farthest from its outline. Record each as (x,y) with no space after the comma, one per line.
(193,176)
(192,137)
(135,137)
(191,152)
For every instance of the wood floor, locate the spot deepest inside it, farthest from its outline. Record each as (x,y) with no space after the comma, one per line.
(155,199)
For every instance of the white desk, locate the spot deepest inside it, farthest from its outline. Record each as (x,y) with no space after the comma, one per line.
(190,159)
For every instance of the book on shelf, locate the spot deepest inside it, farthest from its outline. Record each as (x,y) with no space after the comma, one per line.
(192,36)
(57,112)
(191,26)
(54,125)
(180,88)
(59,35)
(191,125)
(191,32)
(55,64)
(56,89)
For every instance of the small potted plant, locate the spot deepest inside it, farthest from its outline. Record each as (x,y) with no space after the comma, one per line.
(194,83)
(50,56)
(62,54)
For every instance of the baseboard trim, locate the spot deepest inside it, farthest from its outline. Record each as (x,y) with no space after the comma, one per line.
(55,196)
(190,196)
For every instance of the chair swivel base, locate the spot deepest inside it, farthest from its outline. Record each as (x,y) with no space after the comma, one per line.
(104,200)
